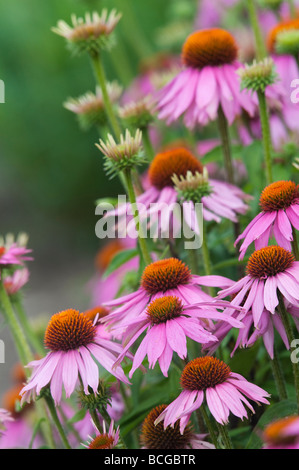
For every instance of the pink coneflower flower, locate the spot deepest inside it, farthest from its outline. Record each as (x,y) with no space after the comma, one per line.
(208,81)
(168,324)
(161,278)
(248,335)
(105,440)
(156,437)
(16,281)
(271,271)
(280,215)
(177,176)
(225,392)
(13,254)
(76,350)
(282,434)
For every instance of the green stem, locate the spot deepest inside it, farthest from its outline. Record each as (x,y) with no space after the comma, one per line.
(261,51)
(150,152)
(53,412)
(141,236)
(225,437)
(101,79)
(25,356)
(18,335)
(206,257)
(285,317)
(295,245)
(95,418)
(278,377)
(226,145)
(209,426)
(33,340)
(267,142)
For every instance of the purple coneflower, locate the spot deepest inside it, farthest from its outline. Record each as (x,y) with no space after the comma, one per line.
(282,434)
(279,217)
(177,176)
(13,254)
(76,349)
(208,81)
(168,324)
(225,392)
(156,437)
(169,276)
(271,272)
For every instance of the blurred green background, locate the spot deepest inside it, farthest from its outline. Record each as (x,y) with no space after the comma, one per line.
(51,172)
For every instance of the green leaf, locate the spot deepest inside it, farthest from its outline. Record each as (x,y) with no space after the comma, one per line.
(119,259)
(273,412)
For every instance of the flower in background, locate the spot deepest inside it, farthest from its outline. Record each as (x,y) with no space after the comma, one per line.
(105,440)
(161,278)
(282,434)
(90,107)
(249,334)
(76,349)
(271,272)
(208,81)
(91,33)
(156,437)
(14,255)
(225,392)
(211,12)
(279,217)
(168,324)
(16,281)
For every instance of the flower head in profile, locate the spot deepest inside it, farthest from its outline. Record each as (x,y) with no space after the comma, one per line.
(282,434)
(279,217)
(108,439)
(14,255)
(167,277)
(157,437)
(271,273)
(123,155)
(91,33)
(224,391)
(168,324)
(76,350)
(14,282)
(208,80)
(90,108)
